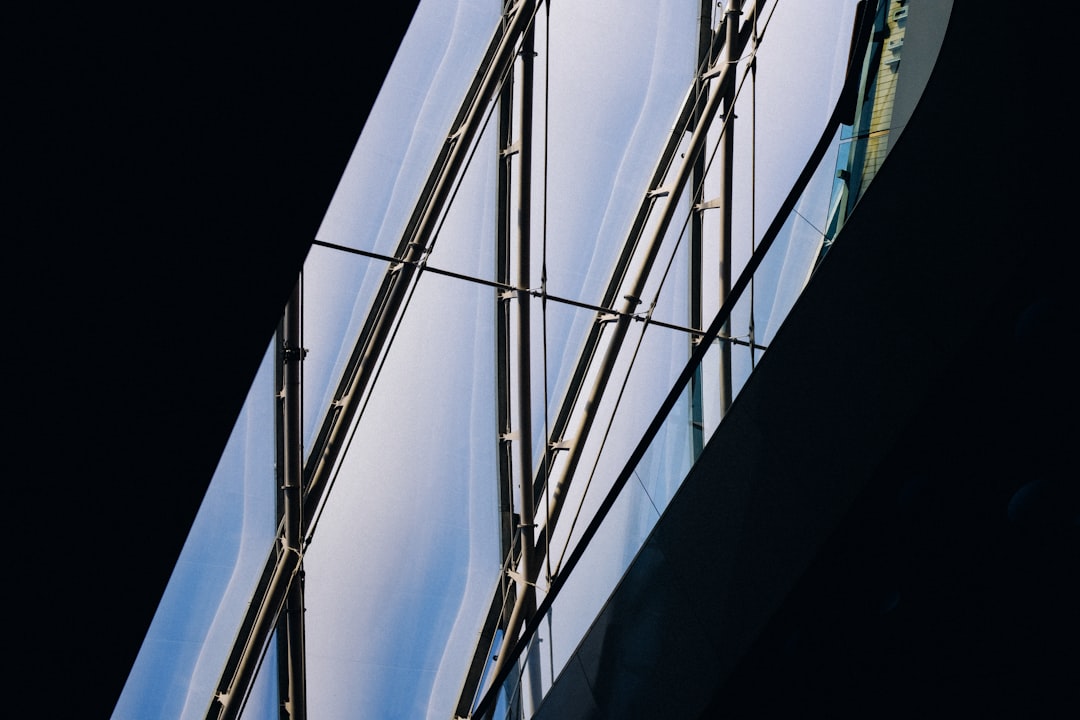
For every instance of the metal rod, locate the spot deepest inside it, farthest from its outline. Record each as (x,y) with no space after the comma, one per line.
(296,700)
(277,590)
(503,233)
(509,287)
(526,594)
(524,275)
(727,162)
(282,635)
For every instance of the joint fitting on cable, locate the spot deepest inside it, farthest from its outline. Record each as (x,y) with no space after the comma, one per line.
(291,353)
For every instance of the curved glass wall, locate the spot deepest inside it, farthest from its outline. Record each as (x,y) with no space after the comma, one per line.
(466,351)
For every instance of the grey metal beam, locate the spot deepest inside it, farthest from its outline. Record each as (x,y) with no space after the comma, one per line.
(281,634)
(695,264)
(727,168)
(290,625)
(295,697)
(503,235)
(526,590)
(512,349)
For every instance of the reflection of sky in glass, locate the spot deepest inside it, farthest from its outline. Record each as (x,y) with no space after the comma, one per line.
(405,555)
(188,641)
(410,526)
(409,123)
(612,99)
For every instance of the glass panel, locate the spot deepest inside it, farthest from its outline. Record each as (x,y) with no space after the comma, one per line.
(407,127)
(180,662)
(409,535)
(583,596)
(786,269)
(265,698)
(338,288)
(609,113)
(800,71)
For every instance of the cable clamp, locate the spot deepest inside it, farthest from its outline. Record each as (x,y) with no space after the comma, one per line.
(519,578)
(607,317)
(291,353)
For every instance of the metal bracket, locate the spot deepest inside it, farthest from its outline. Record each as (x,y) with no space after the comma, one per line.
(519,578)
(289,353)
(607,317)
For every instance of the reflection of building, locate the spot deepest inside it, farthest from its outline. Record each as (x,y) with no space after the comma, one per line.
(874,116)
(961,429)
(870,131)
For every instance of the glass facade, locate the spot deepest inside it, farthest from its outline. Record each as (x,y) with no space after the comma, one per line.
(542,281)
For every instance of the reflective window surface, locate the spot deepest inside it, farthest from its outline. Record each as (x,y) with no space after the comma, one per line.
(188,641)
(516,269)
